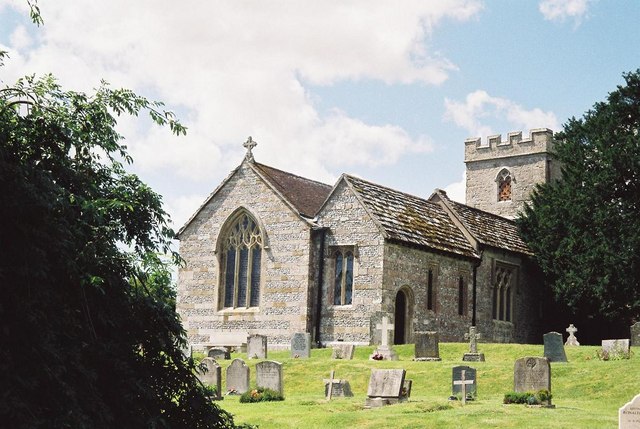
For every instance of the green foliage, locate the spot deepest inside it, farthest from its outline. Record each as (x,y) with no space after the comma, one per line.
(585,229)
(260,394)
(528,398)
(90,335)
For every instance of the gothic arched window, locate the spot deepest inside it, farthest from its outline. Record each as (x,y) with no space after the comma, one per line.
(503,293)
(241,259)
(343,279)
(504,185)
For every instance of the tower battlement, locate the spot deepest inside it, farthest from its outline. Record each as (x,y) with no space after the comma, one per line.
(540,140)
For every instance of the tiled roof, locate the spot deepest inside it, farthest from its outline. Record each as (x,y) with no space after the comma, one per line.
(305,195)
(491,230)
(411,219)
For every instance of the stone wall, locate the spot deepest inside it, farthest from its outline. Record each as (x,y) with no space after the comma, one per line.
(528,160)
(285,274)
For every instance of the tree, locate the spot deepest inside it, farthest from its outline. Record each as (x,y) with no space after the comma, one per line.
(585,228)
(89,336)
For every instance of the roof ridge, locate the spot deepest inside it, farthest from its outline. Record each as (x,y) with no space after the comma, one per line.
(260,165)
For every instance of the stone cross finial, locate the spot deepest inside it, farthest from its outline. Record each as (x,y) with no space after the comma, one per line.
(572,340)
(463,385)
(385,327)
(473,336)
(249,145)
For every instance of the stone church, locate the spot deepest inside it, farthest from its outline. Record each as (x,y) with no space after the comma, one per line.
(273,253)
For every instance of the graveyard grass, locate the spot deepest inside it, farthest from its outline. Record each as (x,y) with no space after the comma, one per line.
(587,392)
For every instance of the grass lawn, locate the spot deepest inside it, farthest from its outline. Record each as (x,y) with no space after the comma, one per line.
(587,392)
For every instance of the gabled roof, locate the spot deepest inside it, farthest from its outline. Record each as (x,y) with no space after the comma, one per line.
(410,219)
(489,229)
(305,195)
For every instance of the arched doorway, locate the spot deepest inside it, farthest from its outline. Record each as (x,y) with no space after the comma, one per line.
(402,318)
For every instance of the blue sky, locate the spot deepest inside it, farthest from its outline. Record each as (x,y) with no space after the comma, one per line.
(387,91)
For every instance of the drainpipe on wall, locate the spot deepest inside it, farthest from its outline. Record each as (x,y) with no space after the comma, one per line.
(322,232)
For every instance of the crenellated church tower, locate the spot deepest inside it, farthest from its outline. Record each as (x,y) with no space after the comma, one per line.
(501,175)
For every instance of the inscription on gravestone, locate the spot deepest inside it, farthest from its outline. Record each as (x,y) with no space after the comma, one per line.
(386,383)
(269,375)
(629,414)
(237,377)
(554,347)
(427,346)
(531,374)
(257,346)
(301,345)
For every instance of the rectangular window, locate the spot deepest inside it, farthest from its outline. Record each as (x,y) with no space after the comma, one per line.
(343,260)
(430,290)
(461,296)
(230,274)
(256,260)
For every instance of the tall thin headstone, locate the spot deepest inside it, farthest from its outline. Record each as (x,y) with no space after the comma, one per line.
(257,346)
(238,377)
(554,347)
(269,375)
(301,345)
(384,351)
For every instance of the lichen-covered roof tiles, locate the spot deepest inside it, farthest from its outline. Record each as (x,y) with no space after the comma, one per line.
(305,195)
(410,219)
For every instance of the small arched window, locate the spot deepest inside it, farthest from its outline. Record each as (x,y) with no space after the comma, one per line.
(241,258)
(343,279)
(504,185)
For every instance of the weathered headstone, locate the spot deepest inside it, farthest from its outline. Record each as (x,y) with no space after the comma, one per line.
(554,347)
(463,382)
(269,375)
(629,414)
(343,351)
(635,335)
(473,356)
(237,377)
(471,388)
(301,345)
(334,387)
(572,340)
(219,353)
(531,374)
(385,387)
(427,346)
(615,348)
(257,346)
(212,376)
(384,351)
(406,389)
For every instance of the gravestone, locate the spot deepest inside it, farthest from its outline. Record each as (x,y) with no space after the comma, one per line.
(301,345)
(427,346)
(635,335)
(383,351)
(473,356)
(572,340)
(615,348)
(257,346)
(343,351)
(219,353)
(385,387)
(554,347)
(269,375)
(629,414)
(463,382)
(471,387)
(212,376)
(336,388)
(531,374)
(237,377)
(406,389)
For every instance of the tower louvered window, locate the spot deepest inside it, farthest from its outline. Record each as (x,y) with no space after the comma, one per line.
(504,185)
(241,261)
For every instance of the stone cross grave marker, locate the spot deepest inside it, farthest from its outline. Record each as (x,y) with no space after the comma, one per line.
(616,348)
(385,387)
(269,375)
(635,335)
(473,336)
(219,353)
(301,345)
(463,382)
(470,377)
(257,346)
(427,346)
(343,351)
(336,387)
(629,414)
(384,351)
(554,347)
(212,376)
(237,377)
(531,374)
(572,340)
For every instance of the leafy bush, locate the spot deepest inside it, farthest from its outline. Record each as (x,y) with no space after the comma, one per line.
(261,394)
(529,398)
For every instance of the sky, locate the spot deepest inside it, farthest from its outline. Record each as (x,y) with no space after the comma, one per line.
(387,91)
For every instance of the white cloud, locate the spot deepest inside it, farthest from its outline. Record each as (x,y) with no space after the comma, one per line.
(457,190)
(561,10)
(479,109)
